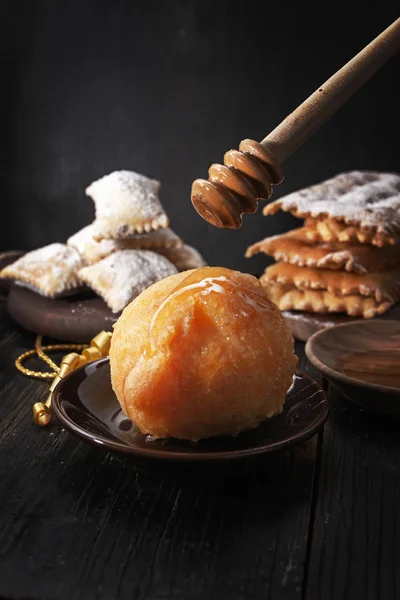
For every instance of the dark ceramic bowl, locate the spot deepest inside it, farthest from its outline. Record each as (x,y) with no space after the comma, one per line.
(85,404)
(362,360)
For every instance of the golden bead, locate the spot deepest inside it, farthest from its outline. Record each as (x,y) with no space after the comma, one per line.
(64,370)
(91,353)
(41,414)
(55,381)
(102,342)
(70,359)
(82,361)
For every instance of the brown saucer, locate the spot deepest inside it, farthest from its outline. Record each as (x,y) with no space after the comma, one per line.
(362,360)
(85,403)
(303,325)
(75,318)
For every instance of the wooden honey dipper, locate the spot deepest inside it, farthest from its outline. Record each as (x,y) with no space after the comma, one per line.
(249,173)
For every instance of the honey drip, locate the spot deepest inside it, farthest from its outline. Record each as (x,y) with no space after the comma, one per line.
(235,187)
(199,285)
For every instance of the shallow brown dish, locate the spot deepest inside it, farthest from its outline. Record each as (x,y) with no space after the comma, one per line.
(86,405)
(362,360)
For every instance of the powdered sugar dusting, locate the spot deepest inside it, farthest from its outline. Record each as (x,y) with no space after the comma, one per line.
(365,198)
(91,250)
(122,276)
(125,203)
(299,316)
(51,270)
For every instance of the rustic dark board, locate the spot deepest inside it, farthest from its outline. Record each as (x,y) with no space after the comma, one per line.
(79,523)
(74,318)
(355,550)
(319,522)
(96,86)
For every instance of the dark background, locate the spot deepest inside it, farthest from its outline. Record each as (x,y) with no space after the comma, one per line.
(165,88)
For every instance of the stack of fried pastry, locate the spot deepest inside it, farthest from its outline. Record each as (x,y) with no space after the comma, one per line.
(346,257)
(127,248)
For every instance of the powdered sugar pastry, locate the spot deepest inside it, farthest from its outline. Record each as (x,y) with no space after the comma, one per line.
(368,199)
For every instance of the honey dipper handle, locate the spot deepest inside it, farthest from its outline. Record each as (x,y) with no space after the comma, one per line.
(299,126)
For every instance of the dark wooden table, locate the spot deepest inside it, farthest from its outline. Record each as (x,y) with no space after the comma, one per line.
(321,521)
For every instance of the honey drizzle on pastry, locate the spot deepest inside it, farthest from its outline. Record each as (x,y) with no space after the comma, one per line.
(235,187)
(200,283)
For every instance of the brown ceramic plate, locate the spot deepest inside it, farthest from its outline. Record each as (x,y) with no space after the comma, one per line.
(85,403)
(362,360)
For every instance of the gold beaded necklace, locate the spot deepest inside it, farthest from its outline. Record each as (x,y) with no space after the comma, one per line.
(98,348)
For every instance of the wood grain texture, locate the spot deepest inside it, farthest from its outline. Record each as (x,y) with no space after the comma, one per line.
(320,521)
(96,86)
(80,523)
(74,318)
(355,547)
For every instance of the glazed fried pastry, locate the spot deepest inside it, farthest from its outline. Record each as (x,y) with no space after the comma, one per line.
(296,248)
(51,271)
(123,275)
(92,251)
(382,286)
(288,297)
(366,200)
(202,353)
(126,203)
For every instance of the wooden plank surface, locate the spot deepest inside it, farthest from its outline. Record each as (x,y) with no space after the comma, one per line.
(80,523)
(355,549)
